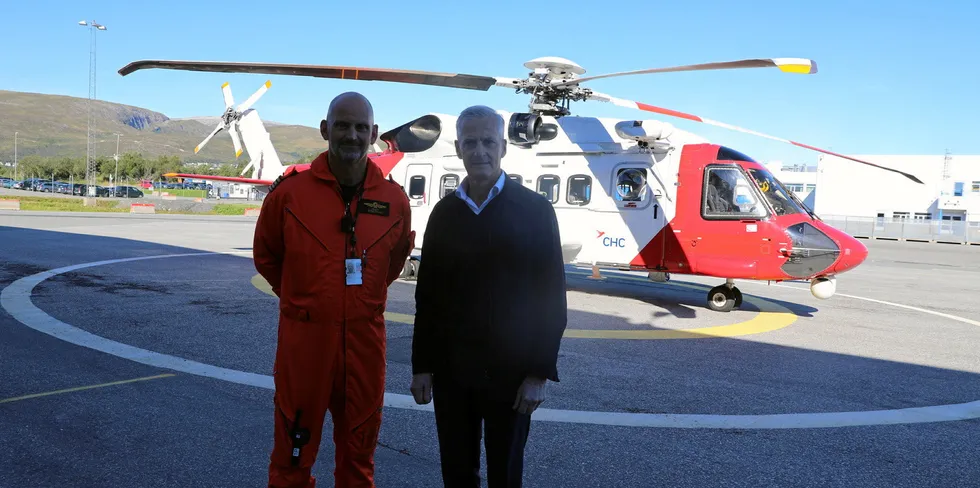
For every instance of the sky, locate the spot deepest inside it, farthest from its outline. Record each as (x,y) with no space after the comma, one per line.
(895,77)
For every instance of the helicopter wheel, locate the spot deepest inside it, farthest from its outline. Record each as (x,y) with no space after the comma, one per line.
(738,297)
(722,298)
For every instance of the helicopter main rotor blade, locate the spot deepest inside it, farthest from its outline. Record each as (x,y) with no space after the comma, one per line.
(786,65)
(451,80)
(673,113)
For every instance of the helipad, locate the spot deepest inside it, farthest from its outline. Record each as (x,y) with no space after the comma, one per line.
(16,300)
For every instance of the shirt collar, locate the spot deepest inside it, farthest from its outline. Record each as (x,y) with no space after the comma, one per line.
(497,187)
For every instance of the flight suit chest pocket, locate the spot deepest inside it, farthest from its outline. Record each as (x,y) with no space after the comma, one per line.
(308,250)
(379,237)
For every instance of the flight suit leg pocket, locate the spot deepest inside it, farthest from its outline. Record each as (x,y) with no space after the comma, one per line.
(364,438)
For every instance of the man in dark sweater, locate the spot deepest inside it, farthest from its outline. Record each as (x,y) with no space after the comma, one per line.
(490,310)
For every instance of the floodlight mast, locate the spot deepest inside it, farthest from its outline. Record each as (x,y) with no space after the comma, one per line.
(91,168)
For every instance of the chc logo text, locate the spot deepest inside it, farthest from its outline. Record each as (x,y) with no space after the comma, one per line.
(614,241)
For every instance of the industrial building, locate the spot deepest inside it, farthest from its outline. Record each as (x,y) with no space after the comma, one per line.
(870,202)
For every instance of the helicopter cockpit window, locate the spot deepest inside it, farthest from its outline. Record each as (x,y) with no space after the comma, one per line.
(579,190)
(416,186)
(449,184)
(631,184)
(776,193)
(729,154)
(728,194)
(548,187)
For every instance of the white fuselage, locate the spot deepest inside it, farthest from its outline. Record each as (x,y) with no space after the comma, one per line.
(578,170)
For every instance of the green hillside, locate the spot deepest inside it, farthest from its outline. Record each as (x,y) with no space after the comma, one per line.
(54,126)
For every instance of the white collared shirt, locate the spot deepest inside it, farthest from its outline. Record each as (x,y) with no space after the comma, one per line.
(496,189)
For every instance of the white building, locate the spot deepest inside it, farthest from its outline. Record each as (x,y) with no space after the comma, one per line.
(239,191)
(798,178)
(872,202)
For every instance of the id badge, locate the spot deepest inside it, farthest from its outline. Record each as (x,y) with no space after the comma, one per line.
(353,271)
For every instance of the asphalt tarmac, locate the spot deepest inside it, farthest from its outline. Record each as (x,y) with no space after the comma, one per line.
(788,391)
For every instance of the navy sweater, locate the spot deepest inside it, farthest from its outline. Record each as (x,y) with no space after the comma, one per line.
(490,300)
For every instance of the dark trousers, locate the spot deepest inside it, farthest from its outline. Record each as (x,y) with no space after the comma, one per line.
(460,410)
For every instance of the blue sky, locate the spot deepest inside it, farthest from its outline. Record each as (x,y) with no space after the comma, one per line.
(896,77)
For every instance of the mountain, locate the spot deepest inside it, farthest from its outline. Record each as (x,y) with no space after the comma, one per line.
(56,125)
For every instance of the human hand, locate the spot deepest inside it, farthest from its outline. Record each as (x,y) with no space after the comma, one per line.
(529,395)
(422,388)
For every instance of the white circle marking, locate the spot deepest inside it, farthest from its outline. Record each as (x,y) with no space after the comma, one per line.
(16,300)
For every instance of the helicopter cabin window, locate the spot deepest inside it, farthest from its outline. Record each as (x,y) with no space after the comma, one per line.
(631,184)
(449,184)
(579,190)
(548,187)
(416,187)
(728,195)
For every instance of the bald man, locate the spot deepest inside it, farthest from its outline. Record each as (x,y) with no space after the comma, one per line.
(347,231)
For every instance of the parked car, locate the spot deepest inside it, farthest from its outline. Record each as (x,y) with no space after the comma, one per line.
(128,192)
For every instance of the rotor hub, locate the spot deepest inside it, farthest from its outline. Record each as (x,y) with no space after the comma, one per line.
(557,68)
(547,99)
(230,116)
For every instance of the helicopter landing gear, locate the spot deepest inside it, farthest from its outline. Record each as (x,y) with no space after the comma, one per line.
(724,298)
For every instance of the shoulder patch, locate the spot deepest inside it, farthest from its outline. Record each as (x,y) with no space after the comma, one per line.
(393,182)
(281,177)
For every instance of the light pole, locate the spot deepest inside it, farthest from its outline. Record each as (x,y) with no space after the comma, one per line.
(15,156)
(115,178)
(90,167)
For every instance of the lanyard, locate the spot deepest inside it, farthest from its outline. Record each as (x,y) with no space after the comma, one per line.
(349,221)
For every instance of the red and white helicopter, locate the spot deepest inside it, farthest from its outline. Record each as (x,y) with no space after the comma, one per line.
(629,194)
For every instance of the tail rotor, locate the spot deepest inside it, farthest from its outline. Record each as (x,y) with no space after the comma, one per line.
(231,116)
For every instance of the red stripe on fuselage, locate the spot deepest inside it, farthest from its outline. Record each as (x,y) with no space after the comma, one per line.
(666,111)
(387,161)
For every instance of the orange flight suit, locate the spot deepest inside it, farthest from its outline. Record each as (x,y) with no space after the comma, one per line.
(331,346)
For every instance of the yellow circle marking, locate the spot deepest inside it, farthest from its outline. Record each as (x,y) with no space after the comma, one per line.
(772,317)
(402,318)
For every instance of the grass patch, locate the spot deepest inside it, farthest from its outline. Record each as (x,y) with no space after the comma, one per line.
(180,193)
(66,205)
(52,204)
(234,208)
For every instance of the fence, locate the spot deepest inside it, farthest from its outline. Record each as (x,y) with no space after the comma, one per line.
(950,231)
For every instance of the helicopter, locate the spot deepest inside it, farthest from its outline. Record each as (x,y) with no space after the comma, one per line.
(635,195)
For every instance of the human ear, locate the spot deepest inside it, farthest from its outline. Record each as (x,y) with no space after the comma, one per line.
(458,153)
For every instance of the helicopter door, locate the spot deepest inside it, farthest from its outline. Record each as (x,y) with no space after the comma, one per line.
(628,228)
(419,188)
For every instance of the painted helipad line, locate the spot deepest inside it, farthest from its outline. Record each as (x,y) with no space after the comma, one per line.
(16,300)
(764,321)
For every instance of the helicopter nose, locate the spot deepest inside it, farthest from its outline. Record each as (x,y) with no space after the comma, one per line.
(853,253)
